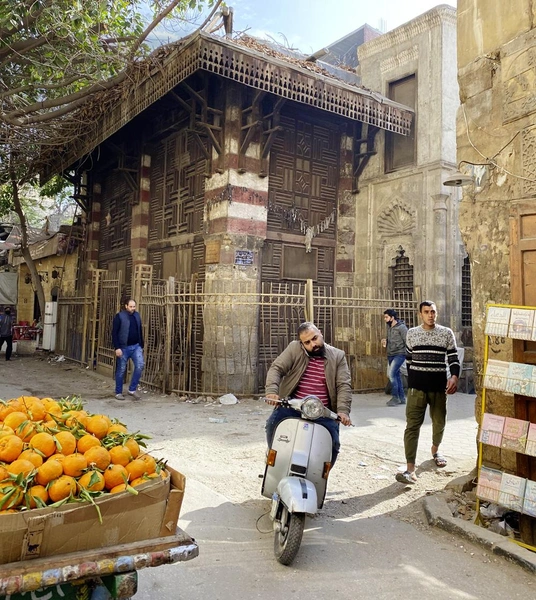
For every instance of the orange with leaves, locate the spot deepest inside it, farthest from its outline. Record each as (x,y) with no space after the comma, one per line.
(150,463)
(50,427)
(36,496)
(98,456)
(92,481)
(62,488)
(135,468)
(7,408)
(5,430)
(120,455)
(21,466)
(52,408)
(116,428)
(118,488)
(143,479)
(65,442)
(98,425)
(74,464)
(43,443)
(33,407)
(115,475)
(33,456)
(10,448)
(76,418)
(86,442)
(58,456)
(10,496)
(15,418)
(48,471)
(26,431)
(4,473)
(133,446)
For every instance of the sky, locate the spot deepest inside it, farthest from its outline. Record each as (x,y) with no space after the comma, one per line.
(309,25)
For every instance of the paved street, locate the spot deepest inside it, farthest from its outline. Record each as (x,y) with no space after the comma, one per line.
(371,540)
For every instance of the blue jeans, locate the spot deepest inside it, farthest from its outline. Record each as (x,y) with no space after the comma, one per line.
(281,413)
(393,372)
(135,353)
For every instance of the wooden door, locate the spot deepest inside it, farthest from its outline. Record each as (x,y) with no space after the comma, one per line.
(523,274)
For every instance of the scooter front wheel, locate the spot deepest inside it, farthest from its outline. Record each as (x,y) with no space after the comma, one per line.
(288,539)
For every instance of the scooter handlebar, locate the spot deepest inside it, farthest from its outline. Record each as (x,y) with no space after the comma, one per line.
(296,405)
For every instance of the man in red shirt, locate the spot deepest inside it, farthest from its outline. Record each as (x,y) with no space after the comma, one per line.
(310,367)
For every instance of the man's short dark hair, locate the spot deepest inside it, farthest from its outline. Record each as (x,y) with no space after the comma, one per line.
(392,313)
(426,303)
(126,300)
(307,326)
(7,311)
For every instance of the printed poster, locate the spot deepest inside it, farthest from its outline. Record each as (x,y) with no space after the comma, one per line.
(497,321)
(491,429)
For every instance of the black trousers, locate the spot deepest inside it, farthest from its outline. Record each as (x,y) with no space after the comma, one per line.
(9,345)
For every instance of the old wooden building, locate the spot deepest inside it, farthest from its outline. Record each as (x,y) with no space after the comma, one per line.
(227,163)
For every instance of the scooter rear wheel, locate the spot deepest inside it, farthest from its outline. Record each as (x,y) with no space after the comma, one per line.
(288,539)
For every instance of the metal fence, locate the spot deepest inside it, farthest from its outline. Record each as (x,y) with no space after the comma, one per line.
(216,337)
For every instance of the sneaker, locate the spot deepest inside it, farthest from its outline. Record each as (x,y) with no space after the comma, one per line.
(394,402)
(134,395)
(406,477)
(119,397)
(402,400)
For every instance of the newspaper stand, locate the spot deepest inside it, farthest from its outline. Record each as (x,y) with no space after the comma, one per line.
(505,489)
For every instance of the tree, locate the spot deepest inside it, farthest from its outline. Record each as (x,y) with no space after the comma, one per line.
(55,57)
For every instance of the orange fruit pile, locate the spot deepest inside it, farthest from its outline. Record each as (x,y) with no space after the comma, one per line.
(53,451)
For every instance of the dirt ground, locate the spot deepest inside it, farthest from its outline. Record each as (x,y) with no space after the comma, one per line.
(223,446)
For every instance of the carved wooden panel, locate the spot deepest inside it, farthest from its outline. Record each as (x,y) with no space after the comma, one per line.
(302,193)
(304,173)
(116,221)
(177,191)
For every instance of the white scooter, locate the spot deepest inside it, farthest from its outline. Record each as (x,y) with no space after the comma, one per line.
(296,475)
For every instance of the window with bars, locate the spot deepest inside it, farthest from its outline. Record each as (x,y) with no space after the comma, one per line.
(467,319)
(402,286)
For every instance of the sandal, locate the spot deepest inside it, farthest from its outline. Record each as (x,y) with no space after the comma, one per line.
(406,477)
(440,460)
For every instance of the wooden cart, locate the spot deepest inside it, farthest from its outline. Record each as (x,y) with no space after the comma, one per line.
(100,574)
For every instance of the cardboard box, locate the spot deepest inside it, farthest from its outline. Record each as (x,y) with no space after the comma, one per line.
(43,532)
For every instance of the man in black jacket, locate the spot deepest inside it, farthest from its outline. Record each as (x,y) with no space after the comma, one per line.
(127,338)
(396,354)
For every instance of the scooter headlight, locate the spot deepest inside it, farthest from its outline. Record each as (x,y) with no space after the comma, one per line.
(312,408)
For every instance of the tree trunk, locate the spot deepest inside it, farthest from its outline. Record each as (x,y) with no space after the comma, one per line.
(25,250)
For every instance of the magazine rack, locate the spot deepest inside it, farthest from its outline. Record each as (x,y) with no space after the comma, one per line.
(510,491)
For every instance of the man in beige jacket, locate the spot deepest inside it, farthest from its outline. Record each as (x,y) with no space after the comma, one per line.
(310,367)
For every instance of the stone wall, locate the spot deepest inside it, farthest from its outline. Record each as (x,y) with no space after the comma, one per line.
(495,125)
(64,267)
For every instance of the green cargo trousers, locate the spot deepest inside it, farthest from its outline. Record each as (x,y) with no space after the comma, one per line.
(415,413)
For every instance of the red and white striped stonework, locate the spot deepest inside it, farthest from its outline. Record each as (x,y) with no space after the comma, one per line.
(94,222)
(140,214)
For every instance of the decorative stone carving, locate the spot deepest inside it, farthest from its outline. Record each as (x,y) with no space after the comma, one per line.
(519,77)
(397,219)
(403,57)
(528,155)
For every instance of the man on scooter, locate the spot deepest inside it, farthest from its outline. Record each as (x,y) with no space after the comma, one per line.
(310,367)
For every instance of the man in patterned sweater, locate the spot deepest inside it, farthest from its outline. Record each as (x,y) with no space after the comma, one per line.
(428,349)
